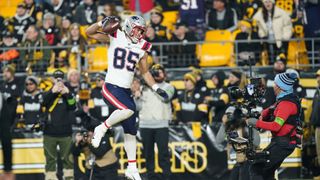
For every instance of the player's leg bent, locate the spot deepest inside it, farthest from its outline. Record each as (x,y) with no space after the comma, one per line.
(121,100)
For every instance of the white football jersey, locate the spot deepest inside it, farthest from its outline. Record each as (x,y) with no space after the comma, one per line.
(123,56)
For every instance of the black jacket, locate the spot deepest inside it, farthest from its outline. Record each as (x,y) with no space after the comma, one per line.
(189,103)
(32,106)
(58,123)
(11,93)
(226,23)
(81,17)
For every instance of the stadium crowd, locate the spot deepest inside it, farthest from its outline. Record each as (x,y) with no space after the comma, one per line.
(59,106)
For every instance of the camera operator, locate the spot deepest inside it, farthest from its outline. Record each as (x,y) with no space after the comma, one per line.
(282,119)
(155,115)
(234,126)
(101,163)
(59,102)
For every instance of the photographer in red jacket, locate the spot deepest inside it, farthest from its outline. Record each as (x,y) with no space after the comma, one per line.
(282,119)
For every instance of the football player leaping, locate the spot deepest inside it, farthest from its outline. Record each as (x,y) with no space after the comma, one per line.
(127,49)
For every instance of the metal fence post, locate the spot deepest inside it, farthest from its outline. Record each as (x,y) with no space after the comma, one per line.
(236,52)
(161,55)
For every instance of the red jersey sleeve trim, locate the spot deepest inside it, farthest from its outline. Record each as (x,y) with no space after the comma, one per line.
(146,46)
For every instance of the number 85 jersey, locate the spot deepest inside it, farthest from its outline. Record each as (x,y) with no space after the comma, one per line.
(123,56)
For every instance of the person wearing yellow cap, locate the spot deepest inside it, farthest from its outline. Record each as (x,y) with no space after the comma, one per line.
(247,51)
(201,84)
(191,102)
(315,121)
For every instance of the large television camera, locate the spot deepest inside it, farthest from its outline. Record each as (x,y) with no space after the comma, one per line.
(245,102)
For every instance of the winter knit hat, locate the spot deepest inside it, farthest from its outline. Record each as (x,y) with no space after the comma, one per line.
(33,79)
(285,80)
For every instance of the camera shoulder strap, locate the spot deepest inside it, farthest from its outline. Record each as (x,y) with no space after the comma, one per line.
(55,102)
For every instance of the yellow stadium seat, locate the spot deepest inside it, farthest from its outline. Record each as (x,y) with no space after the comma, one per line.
(98,59)
(8,12)
(8,7)
(297,54)
(216,54)
(169,19)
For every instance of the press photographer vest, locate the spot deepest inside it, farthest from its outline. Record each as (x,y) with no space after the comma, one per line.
(292,119)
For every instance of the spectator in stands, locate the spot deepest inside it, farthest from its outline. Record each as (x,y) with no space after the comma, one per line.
(78,43)
(219,97)
(155,22)
(59,102)
(274,24)
(196,10)
(248,51)
(11,55)
(61,8)
(65,30)
(299,90)
(151,36)
(249,8)
(98,108)
(182,53)
(221,17)
(119,4)
(236,78)
(86,13)
(60,61)
(109,10)
(20,22)
(36,58)
(201,84)
(34,9)
(279,66)
(315,121)
(154,117)
(31,100)
(50,30)
(170,5)
(191,106)
(73,82)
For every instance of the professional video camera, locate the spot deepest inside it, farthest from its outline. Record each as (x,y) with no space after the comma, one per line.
(245,102)
(246,146)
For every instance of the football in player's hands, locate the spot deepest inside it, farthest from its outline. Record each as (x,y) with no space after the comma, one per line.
(110,24)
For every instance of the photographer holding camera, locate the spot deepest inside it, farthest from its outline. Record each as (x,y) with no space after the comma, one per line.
(154,116)
(59,103)
(235,129)
(101,163)
(283,120)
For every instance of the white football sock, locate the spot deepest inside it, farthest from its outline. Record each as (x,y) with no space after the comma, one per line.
(118,116)
(130,146)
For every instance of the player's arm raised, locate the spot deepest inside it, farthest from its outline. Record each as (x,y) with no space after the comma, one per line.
(94,33)
(144,69)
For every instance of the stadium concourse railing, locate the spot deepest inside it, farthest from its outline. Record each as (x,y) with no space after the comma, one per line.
(168,54)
